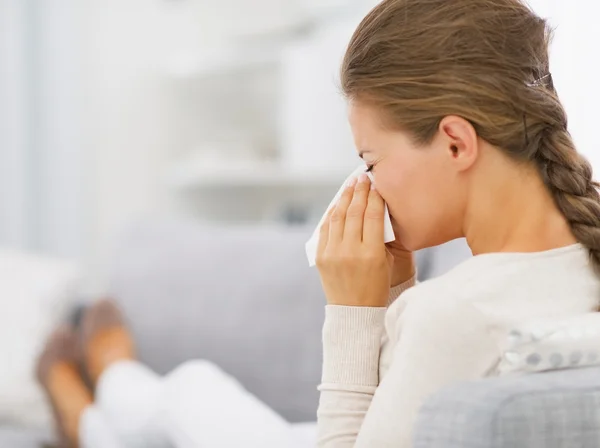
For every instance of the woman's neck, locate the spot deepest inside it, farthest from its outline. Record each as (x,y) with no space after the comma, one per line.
(518,215)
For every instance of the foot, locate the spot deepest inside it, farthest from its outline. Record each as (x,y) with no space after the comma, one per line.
(58,373)
(105,339)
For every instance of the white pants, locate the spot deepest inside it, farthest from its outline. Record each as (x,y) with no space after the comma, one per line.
(195,406)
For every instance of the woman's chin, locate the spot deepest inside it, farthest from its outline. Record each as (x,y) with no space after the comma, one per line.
(410,244)
(414,243)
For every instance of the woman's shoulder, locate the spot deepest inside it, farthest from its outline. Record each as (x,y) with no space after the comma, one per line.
(512,284)
(569,263)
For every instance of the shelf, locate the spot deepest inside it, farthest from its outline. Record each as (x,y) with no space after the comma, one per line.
(244,53)
(223,61)
(193,176)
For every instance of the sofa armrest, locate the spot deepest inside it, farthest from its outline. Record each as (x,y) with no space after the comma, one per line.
(558,409)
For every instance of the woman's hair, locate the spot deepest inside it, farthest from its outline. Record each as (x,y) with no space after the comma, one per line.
(486,61)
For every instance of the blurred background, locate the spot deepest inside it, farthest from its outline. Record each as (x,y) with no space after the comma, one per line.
(223,114)
(224,111)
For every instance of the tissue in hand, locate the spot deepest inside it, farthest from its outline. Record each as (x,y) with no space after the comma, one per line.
(313,243)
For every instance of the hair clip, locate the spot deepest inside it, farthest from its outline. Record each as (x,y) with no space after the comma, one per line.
(540,81)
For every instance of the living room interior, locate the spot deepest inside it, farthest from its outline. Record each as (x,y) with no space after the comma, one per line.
(175,156)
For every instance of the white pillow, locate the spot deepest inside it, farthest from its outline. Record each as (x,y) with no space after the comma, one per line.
(551,344)
(35,296)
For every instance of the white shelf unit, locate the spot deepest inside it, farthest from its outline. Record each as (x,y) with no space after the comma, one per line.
(224,60)
(260,192)
(190,176)
(239,191)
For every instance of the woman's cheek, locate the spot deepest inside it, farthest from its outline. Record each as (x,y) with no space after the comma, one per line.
(388,190)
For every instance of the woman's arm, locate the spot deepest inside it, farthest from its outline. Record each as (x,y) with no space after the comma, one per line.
(441,342)
(369,341)
(351,347)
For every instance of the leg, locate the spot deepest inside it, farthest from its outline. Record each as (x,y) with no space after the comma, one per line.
(95,430)
(197,405)
(58,373)
(127,393)
(205,407)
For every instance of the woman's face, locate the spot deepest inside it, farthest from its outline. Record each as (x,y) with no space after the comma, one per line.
(423,191)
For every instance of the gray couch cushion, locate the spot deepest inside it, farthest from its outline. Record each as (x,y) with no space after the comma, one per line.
(15,438)
(546,410)
(243,298)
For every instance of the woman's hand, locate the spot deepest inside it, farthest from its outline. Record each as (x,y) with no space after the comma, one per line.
(352,259)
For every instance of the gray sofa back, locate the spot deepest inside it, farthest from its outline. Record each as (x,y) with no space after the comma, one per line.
(558,409)
(243,298)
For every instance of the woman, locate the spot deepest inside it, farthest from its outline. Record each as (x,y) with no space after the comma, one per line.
(453,110)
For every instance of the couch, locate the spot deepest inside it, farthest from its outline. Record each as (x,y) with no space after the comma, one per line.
(559,409)
(245,299)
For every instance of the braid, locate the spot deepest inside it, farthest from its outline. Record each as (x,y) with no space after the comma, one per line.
(568,175)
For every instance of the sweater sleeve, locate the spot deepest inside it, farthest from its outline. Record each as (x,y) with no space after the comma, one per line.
(440,342)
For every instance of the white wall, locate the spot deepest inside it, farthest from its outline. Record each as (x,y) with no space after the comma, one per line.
(127,125)
(41,164)
(85,126)
(14,122)
(58,171)
(574,65)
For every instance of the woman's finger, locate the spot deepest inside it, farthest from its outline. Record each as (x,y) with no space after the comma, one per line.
(373,224)
(355,216)
(324,233)
(338,217)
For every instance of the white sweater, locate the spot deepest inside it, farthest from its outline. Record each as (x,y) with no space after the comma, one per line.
(380,364)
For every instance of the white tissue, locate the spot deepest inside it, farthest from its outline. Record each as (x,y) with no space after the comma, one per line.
(313,243)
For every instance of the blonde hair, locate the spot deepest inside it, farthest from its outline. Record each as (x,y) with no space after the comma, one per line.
(484,60)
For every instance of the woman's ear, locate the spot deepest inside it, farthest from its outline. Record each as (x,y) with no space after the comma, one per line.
(460,139)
